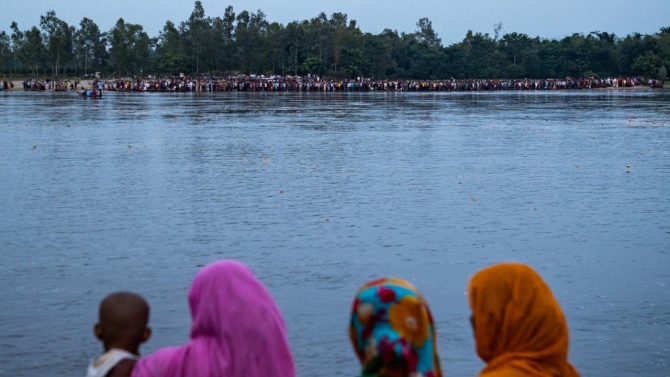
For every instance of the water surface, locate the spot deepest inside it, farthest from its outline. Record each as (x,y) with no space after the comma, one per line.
(319,193)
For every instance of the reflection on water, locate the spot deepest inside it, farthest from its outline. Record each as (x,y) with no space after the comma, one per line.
(319,193)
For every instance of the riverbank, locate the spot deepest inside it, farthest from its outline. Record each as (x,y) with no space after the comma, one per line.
(297,84)
(18,83)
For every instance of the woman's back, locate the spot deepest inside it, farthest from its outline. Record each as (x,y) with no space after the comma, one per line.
(236,331)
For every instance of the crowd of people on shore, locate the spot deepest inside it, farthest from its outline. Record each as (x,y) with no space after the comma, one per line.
(47,84)
(237,329)
(312,83)
(6,85)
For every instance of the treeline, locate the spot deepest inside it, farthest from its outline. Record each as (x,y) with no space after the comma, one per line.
(246,43)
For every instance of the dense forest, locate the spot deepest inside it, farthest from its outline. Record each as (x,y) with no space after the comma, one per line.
(247,43)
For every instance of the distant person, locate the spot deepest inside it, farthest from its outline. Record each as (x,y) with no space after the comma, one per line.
(236,330)
(392,331)
(519,328)
(122,327)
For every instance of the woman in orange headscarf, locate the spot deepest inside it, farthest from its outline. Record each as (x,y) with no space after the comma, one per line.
(519,328)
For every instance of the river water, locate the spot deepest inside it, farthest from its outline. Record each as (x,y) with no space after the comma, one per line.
(319,193)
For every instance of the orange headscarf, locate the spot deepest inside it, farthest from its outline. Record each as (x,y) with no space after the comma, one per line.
(519,328)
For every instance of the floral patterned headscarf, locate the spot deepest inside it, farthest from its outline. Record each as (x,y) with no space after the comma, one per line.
(393,332)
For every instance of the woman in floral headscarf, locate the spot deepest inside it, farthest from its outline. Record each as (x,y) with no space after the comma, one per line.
(519,328)
(392,331)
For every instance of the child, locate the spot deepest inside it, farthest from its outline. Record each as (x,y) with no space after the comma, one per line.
(122,328)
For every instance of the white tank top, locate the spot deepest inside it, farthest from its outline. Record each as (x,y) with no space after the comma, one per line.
(102,365)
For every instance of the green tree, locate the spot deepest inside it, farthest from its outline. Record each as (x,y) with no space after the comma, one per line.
(378,51)
(131,51)
(321,44)
(59,41)
(627,51)
(294,44)
(574,56)
(521,54)
(5,50)
(313,64)
(662,74)
(197,27)
(602,53)
(392,54)
(353,60)
(257,33)
(276,43)
(516,46)
(332,46)
(33,51)
(426,34)
(171,56)
(478,59)
(228,38)
(338,24)
(173,63)
(90,46)
(647,65)
(17,41)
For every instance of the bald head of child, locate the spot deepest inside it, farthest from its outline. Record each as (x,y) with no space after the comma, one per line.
(123,322)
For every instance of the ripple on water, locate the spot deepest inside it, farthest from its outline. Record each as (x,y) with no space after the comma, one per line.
(320,193)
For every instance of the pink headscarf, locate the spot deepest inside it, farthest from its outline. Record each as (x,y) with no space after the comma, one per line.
(236,330)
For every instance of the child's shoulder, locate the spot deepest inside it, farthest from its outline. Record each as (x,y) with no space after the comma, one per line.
(101,366)
(123,368)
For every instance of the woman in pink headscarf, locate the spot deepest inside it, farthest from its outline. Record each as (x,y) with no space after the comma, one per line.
(236,330)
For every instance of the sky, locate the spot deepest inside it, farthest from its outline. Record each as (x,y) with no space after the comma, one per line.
(451,19)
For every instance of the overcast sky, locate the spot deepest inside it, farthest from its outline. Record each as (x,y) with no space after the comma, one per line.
(451,19)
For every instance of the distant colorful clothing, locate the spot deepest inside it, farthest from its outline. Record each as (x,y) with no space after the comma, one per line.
(519,328)
(101,366)
(393,332)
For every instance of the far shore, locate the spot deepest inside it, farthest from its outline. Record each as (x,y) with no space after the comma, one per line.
(88,83)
